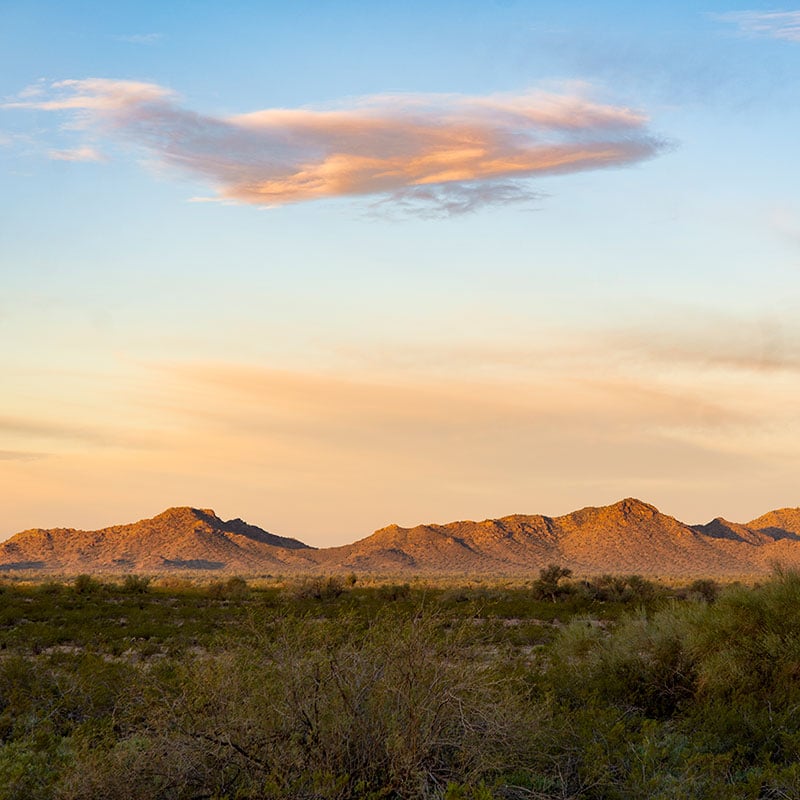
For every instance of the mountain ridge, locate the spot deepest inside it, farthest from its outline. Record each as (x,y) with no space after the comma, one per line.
(629,536)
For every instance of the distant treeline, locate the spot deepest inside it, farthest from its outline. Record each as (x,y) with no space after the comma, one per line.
(615,688)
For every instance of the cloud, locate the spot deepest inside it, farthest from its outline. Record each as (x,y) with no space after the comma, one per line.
(19,455)
(141,38)
(340,451)
(39,429)
(716,342)
(34,90)
(359,416)
(452,153)
(773,24)
(95,95)
(448,200)
(13,139)
(84,153)
(30,429)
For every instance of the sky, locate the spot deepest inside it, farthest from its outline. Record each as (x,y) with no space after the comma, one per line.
(330,266)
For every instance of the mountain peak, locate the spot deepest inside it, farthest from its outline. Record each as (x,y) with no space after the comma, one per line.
(631,506)
(622,514)
(186,512)
(780,523)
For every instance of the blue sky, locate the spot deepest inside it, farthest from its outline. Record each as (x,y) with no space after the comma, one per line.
(355,351)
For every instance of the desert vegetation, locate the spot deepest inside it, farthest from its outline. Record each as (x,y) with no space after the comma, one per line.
(614,687)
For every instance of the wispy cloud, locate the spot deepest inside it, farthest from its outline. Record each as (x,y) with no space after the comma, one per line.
(487,436)
(84,153)
(453,153)
(36,431)
(449,200)
(141,38)
(34,90)
(774,24)
(752,348)
(19,455)
(93,95)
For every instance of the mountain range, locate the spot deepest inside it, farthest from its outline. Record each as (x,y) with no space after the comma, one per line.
(624,538)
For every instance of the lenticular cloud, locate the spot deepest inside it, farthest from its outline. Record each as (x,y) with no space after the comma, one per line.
(437,149)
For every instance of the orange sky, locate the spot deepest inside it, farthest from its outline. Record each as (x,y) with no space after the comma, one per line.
(332,266)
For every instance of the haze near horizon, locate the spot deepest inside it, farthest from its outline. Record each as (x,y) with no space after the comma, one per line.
(330,268)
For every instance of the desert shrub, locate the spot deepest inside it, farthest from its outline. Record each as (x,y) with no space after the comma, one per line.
(136,584)
(704,589)
(643,666)
(45,703)
(29,768)
(747,649)
(695,700)
(619,589)
(86,585)
(21,683)
(51,588)
(320,588)
(393,591)
(58,694)
(396,708)
(548,586)
(136,767)
(235,588)
(460,791)
(640,589)
(749,642)
(647,665)
(176,585)
(609,588)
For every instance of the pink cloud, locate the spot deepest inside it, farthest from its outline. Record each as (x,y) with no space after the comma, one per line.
(76,154)
(774,24)
(94,94)
(451,151)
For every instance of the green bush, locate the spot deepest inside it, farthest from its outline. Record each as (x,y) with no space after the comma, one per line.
(619,589)
(548,586)
(395,709)
(86,585)
(30,767)
(235,588)
(136,584)
(394,591)
(322,588)
(704,589)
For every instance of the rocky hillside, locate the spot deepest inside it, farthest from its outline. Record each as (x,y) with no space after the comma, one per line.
(179,538)
(627,537)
